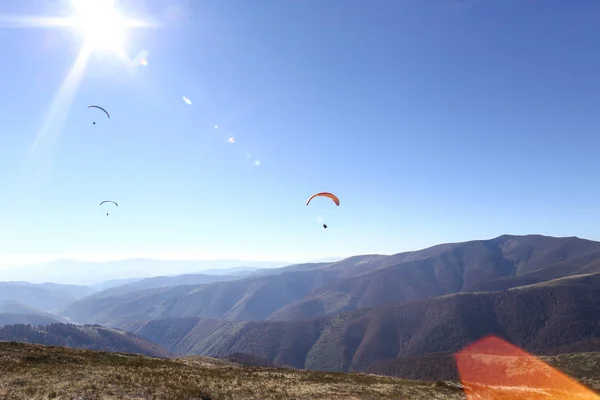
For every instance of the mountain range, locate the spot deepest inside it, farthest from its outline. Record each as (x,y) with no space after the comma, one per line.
(47,297)
(313,290)
(403,314)
(558,316)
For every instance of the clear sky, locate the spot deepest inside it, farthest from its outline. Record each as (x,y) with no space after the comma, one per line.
(433,121)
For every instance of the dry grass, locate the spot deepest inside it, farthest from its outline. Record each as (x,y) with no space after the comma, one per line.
(584,366)
(37,372)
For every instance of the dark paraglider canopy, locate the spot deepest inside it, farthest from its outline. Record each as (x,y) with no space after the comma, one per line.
(100,108)
(109,201)
(107,114)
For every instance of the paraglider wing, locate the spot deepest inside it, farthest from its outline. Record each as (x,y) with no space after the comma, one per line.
(325,194)
(107,114)
(109,201)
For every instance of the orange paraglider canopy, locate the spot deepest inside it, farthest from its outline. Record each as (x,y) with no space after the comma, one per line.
(325,194)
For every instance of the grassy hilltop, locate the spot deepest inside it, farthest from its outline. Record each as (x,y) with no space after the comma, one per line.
(37,372)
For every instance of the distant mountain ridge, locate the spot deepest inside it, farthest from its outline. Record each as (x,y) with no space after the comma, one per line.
(14,312)
(161,282)
(305,291)
(94,273)
(87,337)
(113,283)
(559,316)
(16,307)
(47,297)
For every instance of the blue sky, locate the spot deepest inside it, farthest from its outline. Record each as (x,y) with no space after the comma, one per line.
(433,121)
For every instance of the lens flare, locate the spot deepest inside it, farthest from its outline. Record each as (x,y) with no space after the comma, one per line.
(141,59)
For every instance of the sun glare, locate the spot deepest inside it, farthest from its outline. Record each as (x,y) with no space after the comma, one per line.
(100,22)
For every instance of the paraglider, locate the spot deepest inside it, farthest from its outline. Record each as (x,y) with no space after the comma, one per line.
(325,194)
(107,114)
(331,196)
(109,201)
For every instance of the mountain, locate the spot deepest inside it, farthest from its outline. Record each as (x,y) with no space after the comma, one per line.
(47,297)
(327,259)
(558,316)
(496,264)
(92,273)
(305,291)
(259,295)
(239,271)
(29,319)
(13,312)
(88,337)
(161,282)
(16,307)
(113,283)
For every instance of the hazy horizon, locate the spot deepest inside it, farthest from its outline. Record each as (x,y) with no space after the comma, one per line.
(74,271)
(17,260)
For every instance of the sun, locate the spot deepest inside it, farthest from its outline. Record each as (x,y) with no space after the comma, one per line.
(101,23)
